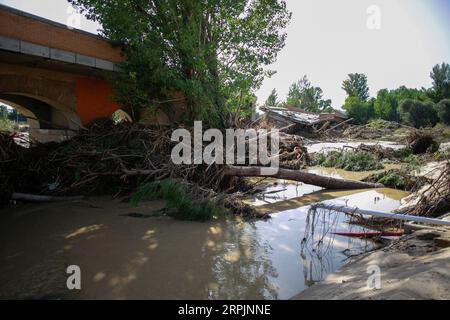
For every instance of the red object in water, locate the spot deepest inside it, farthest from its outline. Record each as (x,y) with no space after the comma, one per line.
(369,234)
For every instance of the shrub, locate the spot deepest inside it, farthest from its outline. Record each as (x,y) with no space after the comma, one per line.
(396,178)
(393,179)
(183,206)
(413,163)
(6,125)
(349,160)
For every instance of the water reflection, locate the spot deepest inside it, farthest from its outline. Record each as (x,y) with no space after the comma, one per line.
(242,267)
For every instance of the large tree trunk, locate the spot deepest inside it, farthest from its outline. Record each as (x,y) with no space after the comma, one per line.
(302,176)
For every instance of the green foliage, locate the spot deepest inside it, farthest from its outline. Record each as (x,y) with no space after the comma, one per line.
(304,95)
(402,153)
(357,109)
(441,82)
(413,163)
(182,205)
(349,160)
(244,105)
(393,179)
(387,102)
(386,105)
(272,99)
(3,112)
(356,86)
(214,51)
(6,125)
(443,111)
(417,113)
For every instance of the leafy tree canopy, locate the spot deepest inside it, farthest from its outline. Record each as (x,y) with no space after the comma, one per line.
(441,82)
(272,99)
(418,113)
(304,95)
(211,50)
(357,109)
(356,86)
(388,101)
(443,111)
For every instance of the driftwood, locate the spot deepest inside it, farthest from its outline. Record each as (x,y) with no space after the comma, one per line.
(338,125)
(40,198)
(301,176)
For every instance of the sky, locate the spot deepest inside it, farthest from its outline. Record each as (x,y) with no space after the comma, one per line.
(328,39)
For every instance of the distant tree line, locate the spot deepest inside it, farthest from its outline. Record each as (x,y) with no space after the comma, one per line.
(11,114)
(417,107)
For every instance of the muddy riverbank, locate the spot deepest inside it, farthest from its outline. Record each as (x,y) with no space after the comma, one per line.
(417,266)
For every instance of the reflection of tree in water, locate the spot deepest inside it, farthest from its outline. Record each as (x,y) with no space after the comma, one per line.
(241,265)
(317,247)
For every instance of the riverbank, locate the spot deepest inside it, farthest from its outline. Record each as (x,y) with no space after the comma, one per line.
(417,266)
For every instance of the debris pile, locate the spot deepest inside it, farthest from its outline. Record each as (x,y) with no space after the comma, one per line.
(421,142)
(108,158)
(432,199)
(373,130)
(293,153)
(305,123)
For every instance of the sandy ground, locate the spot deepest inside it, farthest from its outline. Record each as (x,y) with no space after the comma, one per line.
(415,267)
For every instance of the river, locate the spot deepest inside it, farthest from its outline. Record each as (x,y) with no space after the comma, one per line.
(125,256)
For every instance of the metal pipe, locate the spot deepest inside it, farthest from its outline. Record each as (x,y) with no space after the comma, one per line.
(398,216)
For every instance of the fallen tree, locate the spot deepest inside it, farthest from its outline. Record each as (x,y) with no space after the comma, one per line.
(301,176)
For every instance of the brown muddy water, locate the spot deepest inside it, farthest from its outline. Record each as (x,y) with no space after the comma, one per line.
(125,253)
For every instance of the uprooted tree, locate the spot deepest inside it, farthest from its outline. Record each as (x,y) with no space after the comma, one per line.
(214,51)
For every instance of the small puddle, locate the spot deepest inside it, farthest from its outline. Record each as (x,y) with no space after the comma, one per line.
(122,257)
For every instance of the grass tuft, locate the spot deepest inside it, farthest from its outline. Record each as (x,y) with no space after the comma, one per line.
(183,206)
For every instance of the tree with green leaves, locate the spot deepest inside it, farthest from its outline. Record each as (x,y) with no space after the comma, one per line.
(304,95)
(443,111)
(388,101)
(386,105)
(356,86)
(441,82)
(418,113)
(272,99)
(214,51)
(3,112)
(357,109)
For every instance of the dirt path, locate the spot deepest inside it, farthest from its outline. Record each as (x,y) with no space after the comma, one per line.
(415,267)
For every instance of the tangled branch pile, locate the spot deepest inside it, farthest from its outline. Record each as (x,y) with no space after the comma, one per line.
(108,159)
(434,199)
(420,142)
(293,153)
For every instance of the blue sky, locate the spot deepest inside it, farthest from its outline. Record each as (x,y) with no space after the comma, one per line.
(327,39)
